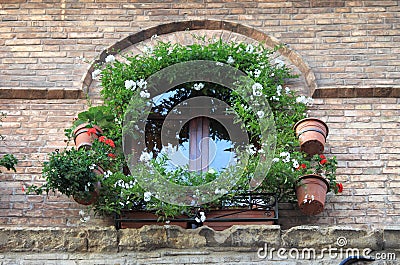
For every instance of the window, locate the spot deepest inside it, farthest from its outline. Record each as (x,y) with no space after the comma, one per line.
(201,143)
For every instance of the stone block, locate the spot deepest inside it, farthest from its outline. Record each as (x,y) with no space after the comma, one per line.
(102,239)
(332,237)
(39,239)
(391,235)
(248,236)
(146,238)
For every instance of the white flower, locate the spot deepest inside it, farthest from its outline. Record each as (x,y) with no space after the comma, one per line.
(260,114)
(257,89)
(202,217)
(272,74)
(147,196)
(130,84)
(144,94)
(274,98)
(287,90)
(230,60)
(275,160)
(148,49)
(142,84)
(107,174)
(96,73)
(305,100)
(251,149)
(295,163)
(211,171)
(159,58)
(198,86)
(257,73)
(145,157)
(300,99)
(279,90)
(279,63)
(286,156)
(93,166)
(110,58)
(250,48)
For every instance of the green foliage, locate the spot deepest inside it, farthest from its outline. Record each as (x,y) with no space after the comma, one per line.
(98,115)
(8,160)
(124,84)
(72,171)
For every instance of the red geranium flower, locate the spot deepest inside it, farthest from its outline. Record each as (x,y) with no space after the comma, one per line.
(102,139)
(322,156)
(301,166)
(110,143)
(323,161)
(91,131)
(340,187)
(112,155)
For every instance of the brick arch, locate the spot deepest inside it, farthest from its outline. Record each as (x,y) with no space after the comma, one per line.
(188,26)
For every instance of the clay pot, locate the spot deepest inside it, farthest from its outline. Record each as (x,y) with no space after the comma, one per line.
(218,219)
(311,194)
(86,197)
(312,134)
(81,137)
(89,197)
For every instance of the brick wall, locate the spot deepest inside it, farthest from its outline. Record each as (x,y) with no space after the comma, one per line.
(347,43)
(351,47)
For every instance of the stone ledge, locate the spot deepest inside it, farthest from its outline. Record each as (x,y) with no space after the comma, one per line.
(41,93)
(148,238)
(357,92)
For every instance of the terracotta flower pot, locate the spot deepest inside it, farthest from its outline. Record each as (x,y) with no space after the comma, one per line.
(311,194)
(217,219)
(84,138)
(312,134)
(89,197)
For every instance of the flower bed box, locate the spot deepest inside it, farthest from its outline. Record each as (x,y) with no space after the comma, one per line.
(244,209)
(137,219)
(224,218)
